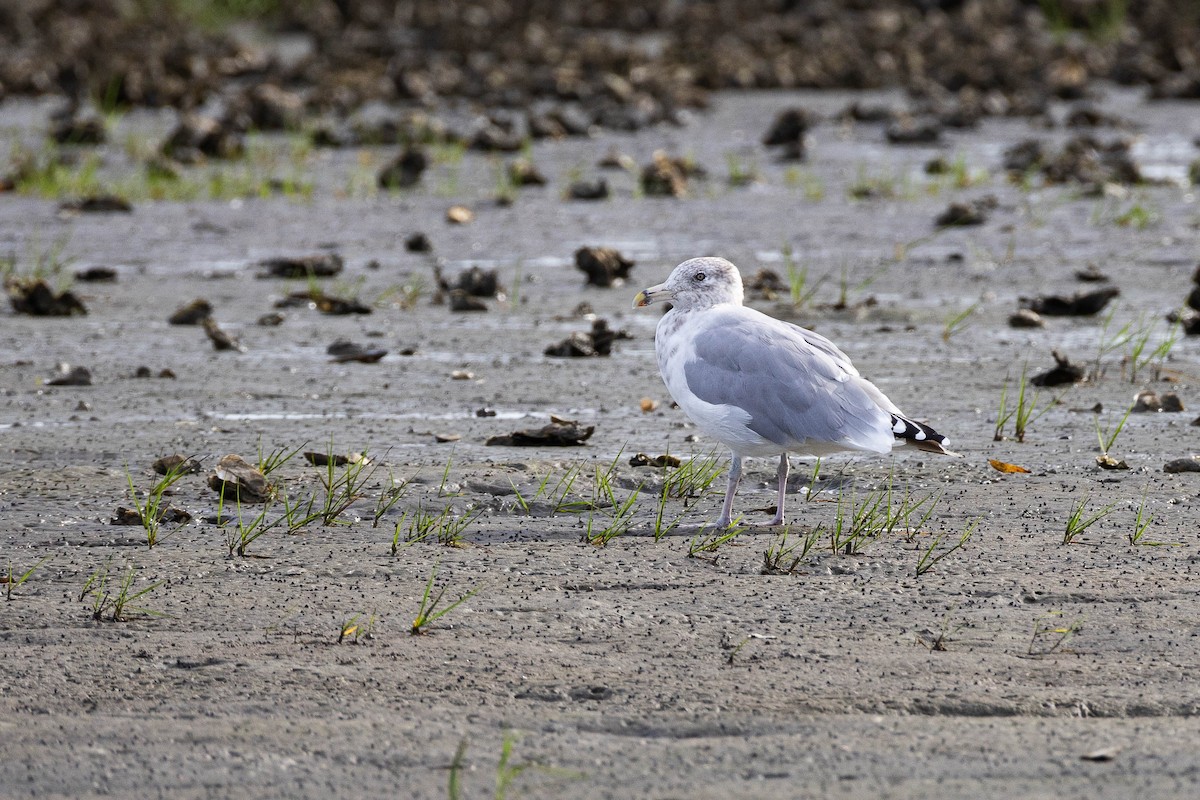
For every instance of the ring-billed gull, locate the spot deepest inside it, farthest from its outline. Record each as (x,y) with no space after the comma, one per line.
(764,387)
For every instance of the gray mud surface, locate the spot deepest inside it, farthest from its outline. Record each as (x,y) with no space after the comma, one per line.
(632,669)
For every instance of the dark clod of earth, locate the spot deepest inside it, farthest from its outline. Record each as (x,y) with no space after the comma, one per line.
(1082,304)
(321,265)
(558,433)
(604,266)
(34,296)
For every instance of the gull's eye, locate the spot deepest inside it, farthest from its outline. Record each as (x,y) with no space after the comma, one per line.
(700,276)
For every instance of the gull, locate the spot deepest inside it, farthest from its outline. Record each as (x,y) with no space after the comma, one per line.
(764,387)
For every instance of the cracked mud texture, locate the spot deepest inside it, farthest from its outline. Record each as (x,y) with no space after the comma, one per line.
(629,670)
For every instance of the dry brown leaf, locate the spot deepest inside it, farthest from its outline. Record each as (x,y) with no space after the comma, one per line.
(1005,467)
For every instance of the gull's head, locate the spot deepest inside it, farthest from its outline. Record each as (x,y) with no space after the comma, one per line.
(696,283)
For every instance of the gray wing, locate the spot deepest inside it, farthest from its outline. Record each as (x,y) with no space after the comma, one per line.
(796,386)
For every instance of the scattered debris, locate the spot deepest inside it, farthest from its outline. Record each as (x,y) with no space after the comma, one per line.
(643,460)
(1026,318)
(1064,372)
(964,212)
(405,170)
(34,296)
(194,313)
(181,465)
(344,350)
(462,375)
(96,204)
(906,129)
(522,172)
(588,190)
(325,303)
(1189,464)
(485,412)
(146,372)
(478,282)
(446,438)
(197,137)
(171,515)
(1105,461)
(320,265)
(767,284)
(604,266)
(648,404)
(1103,754)
(1081,304)
(583,345)
(271,320)
(219,338)
(559,433)
(615,159)
(318,459)
(239,480)
(71,376)
(1150,401)
(461,300)
(78,129)
(1091,274)
(96,275)
(665,176)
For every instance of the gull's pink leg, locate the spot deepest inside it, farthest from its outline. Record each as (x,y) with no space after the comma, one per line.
(735,474)
(782,474)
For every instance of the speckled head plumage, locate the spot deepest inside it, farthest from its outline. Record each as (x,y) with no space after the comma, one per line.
(695,284)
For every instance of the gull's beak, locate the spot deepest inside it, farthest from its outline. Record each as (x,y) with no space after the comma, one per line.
(652,295)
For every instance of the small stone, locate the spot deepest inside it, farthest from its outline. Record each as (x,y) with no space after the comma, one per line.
(604,266)
(319,265)
(405,170)
(71,376)
(418,243)
(1171,403)
(459,215)
(219,338)
(1147,401)
(239,480)
(181,465)
(1189,464)
(588,190)
(194,313)
(1026,318)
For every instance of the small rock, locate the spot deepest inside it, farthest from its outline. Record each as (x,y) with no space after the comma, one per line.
(239,480)
(604,266)
(171,515)
(197,137)
(344,350)
(418,243)
(325,303)
(319,265)
(1147,401)
(963,213)
(588,190)
(219,338)
(271,320)
(1171,404)
(71,376)
(647,404)
(522,172)
(485,412)
(318,459)
(459,215)
(1190,464)
(405,170)
(461,300)
(1064,372)
(1083,304)
(582,345)
(96,275)
(194,313)
(664,176)
(462,375)
(181,465)
(1090,275)
(911,130)
(1026,318)
(36,298)
(478,282)
(1105,461)
(97,204)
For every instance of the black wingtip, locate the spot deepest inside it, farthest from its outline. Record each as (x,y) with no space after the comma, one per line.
(920,436)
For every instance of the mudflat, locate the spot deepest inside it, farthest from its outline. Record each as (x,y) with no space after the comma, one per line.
(1036,660)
